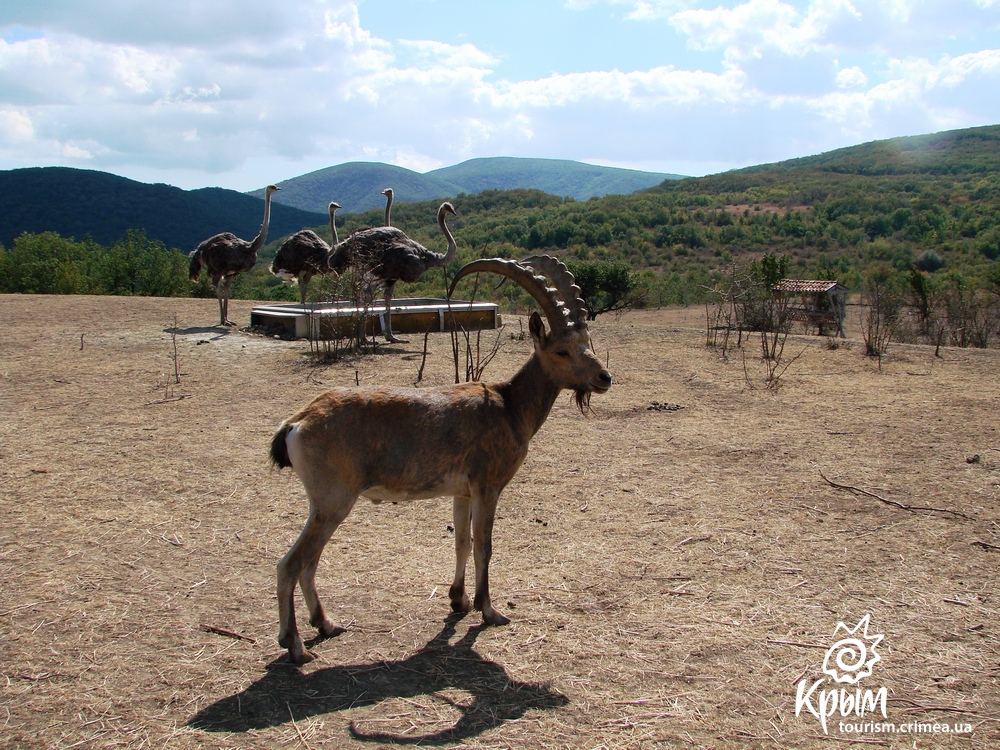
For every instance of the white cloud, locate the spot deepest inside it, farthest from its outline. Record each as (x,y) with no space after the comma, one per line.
(748,29)
(245,93)
(439,53)
(15,127)
(851,78)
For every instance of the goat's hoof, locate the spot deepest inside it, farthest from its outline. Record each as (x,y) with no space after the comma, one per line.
(301,656)
(327,629)
(297,654)
(492,617)
(461,605)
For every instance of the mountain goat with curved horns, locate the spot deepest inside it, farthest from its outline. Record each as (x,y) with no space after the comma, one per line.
(467,440)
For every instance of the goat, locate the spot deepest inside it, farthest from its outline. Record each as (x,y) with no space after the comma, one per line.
(466,440)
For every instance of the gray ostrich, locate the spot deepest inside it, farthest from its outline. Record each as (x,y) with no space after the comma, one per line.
(225,255)
(390,256)
(305,254)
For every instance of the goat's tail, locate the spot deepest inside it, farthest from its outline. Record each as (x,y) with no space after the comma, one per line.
(194,268)
(279,450)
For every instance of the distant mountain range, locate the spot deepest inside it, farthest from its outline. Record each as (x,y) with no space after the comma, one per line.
(357,186)
(79,202)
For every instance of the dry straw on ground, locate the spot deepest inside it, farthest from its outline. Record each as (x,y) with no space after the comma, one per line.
(671,573)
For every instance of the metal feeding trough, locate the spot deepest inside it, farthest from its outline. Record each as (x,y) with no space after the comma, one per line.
(330,320)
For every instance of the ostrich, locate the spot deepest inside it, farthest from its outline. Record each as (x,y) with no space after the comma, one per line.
(391,256)
(225,255)
(304,254)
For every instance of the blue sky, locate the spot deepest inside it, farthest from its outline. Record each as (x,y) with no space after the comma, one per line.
(201,93)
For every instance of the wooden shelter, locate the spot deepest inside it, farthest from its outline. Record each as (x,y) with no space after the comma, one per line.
(819,303)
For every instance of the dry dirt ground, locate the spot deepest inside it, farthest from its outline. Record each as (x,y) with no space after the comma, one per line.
(673,574)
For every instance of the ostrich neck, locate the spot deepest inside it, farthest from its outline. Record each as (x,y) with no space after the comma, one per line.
(258,241)
(333,228)
(388,207)
(452,245)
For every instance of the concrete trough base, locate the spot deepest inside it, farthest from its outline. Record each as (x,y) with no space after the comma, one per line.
(331,320)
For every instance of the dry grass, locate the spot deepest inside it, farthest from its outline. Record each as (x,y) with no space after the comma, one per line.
(671,573)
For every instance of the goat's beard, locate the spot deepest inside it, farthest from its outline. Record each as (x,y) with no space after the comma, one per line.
(582,398)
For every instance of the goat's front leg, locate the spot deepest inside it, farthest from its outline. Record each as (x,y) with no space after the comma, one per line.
(460,601)
(484,508)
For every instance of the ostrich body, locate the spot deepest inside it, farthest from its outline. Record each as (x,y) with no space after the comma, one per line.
(304,254)
(225,255)
(390,256)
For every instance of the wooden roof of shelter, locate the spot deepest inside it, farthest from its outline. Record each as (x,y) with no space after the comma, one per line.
(800,286)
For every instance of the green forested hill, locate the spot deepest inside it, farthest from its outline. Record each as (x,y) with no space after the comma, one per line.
(357,186)
(571,179)
(81,202)
(930,202)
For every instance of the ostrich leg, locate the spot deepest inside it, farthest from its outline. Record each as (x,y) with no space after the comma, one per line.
(388,316)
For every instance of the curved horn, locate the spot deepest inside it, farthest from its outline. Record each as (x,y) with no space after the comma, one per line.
(555,311)
(564,282)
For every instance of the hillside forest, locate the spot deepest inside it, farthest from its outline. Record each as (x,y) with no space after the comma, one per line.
(916,220)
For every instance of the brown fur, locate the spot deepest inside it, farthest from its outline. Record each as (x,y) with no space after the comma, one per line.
(396,444)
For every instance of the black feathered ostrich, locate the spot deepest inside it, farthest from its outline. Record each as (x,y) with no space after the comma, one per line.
(304,255)
(225,255)
(390,256)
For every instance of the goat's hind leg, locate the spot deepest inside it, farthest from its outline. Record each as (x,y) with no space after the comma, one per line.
(461,513)
(317,617)
(299,566)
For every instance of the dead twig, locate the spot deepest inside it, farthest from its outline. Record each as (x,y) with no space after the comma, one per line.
(423,359)
(297,730)
(25,606)
(228,633)
(167,400)
(902,506)
(985,545)
(797,643)
(692,540)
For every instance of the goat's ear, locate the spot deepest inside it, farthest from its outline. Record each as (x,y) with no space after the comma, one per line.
(537,329)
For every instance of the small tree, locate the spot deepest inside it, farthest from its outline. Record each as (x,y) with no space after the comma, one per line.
(747,297)
(922,300)
(883,302)
(606,286)
(47,263)
(972,311)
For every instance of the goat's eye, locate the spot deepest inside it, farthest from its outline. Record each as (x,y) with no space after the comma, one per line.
(562,353)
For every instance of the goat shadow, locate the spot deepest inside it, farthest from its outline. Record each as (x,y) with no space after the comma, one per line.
(285,693)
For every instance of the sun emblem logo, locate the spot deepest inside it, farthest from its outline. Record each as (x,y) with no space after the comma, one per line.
(851,659)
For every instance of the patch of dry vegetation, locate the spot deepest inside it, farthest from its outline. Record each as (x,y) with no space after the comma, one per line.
(671,573)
